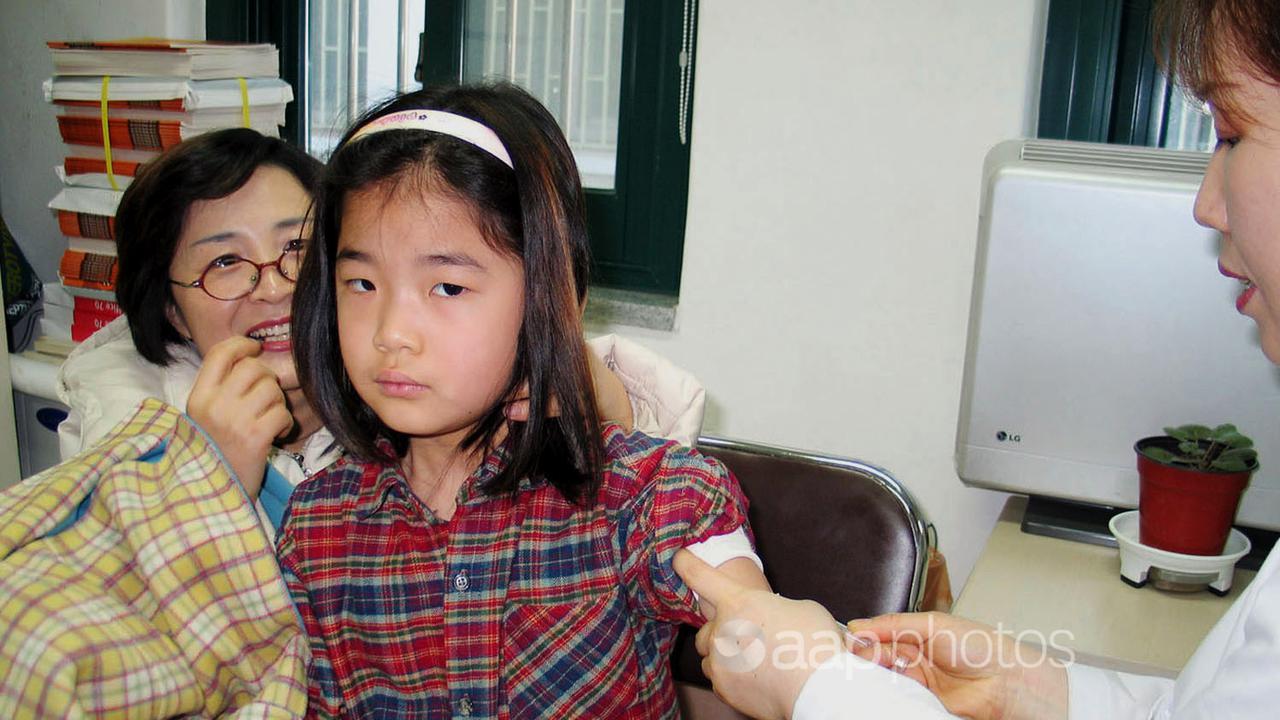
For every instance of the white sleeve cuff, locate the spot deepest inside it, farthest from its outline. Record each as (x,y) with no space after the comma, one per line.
(846,687)
(720,549)
(1097,693)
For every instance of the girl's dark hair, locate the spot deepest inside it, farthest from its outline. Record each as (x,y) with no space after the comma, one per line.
(1199,41)
(154,209)
(534,213)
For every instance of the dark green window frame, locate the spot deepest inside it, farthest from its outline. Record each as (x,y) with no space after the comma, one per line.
(637,228)
(1100,81)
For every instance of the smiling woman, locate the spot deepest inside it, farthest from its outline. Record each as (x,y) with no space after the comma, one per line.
(224,199)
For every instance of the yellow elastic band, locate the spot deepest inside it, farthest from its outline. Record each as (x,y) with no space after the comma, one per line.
(106,134)
(244,102)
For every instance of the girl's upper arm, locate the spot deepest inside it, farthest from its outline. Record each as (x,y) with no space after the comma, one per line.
(679,498)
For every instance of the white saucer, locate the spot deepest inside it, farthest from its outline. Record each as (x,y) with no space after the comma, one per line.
(1174,571)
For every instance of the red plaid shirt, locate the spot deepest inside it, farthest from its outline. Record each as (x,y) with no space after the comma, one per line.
(520,606)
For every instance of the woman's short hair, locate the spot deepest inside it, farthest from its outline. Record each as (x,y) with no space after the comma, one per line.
(154,208)
(1198,41)
(533,211)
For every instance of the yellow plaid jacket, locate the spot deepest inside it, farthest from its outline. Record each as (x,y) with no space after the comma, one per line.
(162,598)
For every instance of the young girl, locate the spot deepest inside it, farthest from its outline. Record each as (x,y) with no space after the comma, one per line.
(454,563)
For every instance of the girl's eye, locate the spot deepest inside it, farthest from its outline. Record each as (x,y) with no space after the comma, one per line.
(447,290)
(295,245)
(359,285)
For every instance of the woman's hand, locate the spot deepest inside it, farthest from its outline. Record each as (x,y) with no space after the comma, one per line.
(612,401)
(975,671)
(747,628)
(238,402)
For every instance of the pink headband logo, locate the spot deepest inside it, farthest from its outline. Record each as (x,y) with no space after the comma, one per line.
(445,123)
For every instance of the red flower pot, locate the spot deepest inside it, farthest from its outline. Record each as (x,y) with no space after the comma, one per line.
(1182,509)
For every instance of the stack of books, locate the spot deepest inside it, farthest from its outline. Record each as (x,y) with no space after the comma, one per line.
(70,317)
(120,104)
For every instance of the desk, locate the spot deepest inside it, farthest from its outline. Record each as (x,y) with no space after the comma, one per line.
(1035,583)
(36,411)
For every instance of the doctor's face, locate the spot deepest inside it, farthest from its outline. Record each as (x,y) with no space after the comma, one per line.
(1240,197)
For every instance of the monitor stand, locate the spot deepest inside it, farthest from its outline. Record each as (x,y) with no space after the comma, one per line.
(1087,522)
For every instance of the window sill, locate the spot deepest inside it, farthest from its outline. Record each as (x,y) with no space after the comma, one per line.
(607,306)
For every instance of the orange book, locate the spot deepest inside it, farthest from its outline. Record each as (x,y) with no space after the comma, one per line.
(128,134)
(86,166)
(85,225)
(82,269)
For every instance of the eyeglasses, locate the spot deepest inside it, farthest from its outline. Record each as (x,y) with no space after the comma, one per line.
(231,277)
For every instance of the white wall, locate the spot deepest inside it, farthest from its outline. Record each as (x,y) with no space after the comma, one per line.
(833,211)
(29,142)
(837,147)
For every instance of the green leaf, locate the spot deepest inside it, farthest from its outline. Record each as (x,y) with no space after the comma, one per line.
(1160,455)
(1191,448)
(1230,464)
(1247,455)
(1234,439)
(1189,432)
(1224,429)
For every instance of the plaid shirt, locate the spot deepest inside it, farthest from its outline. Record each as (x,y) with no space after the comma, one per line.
(161,599)
(520,606)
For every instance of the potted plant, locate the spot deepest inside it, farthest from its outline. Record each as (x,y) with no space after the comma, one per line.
(1190,483)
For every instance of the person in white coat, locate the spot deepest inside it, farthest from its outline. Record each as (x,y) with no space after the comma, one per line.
(209,238)
(1228,53)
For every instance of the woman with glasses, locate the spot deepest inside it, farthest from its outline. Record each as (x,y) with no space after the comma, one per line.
(210,237)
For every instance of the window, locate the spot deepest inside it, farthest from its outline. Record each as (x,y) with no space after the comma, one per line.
(617,75)
(1101,83)
(348,72)
(568,52)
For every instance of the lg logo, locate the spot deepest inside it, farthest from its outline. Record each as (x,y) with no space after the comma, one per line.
(1003,436)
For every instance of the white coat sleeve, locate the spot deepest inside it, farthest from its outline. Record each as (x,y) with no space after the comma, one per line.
(104,379)
(666,401)
(1098,693)
(847,687)
(97,399)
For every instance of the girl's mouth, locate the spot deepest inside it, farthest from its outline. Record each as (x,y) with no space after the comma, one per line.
(399,385)
(273,334)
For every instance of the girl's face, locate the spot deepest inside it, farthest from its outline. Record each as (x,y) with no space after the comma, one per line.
(1240,197)
(258,222)
(428,313)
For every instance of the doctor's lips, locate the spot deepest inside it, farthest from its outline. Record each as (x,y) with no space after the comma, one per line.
(273,334)
(396,384)
(1246,294)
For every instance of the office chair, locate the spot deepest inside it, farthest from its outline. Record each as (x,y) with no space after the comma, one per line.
(835,530)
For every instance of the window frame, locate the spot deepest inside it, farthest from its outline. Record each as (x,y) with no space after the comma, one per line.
(1100,80)
(637,227)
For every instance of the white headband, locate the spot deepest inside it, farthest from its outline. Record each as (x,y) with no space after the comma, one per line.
(445,123)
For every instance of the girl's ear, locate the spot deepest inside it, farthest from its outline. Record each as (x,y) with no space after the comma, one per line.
(177,321)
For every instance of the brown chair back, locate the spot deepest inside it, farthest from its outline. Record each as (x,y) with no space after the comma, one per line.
(838,531)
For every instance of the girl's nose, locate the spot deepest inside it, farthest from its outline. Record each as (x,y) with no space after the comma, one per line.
(396,330)
(1211,208)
